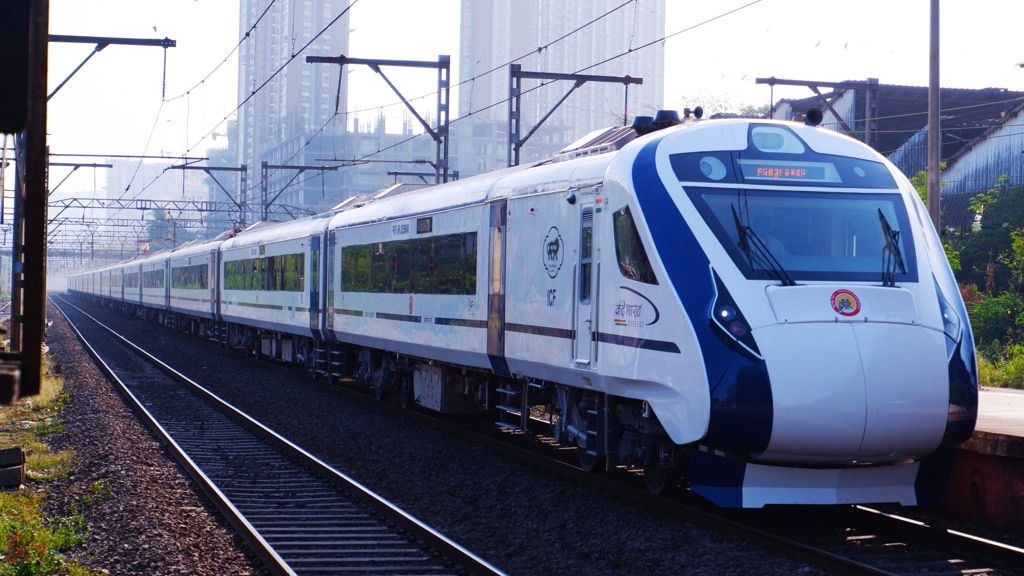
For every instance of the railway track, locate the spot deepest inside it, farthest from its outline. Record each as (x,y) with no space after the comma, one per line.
(852,540)
(840,540)
(301,515)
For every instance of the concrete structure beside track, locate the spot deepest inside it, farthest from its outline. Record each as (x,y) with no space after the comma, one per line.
(987,483)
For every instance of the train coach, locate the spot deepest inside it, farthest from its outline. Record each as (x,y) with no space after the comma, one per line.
(269,291)
(762,307)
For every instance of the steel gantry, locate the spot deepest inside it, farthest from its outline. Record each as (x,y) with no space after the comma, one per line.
(267,201)
(515,92)
(870,88)
(241,203)
(443,66)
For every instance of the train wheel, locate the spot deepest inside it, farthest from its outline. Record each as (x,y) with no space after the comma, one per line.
(385,380)
(405,393)
(589,462)
(658,481)
(660,470)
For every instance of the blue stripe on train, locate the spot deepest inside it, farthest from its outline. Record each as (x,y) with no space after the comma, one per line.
(741,398)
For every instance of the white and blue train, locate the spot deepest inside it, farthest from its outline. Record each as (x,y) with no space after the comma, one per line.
(762,307)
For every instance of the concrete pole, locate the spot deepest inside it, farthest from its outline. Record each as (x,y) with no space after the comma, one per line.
(934,128)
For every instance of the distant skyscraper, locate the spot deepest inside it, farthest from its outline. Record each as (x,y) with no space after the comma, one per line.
(287,101)
(596,37)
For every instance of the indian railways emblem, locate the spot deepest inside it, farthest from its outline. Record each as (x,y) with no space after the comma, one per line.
(553,252)
(845,302)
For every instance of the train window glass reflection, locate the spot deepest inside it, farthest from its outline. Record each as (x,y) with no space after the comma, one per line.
(633,261)
(190,277)
(153,279)
(284,273)
(425,265)
(812,235)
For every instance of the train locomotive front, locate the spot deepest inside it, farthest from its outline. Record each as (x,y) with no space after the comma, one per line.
(824,353)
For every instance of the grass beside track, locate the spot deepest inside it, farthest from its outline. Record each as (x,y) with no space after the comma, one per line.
(32,543)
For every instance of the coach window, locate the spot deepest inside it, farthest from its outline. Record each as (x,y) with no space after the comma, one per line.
(355,269)
(190,277)
(293,272)
(431,265)
(629,249)
(153,279)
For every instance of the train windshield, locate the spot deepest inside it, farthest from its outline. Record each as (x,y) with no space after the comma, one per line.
(799,235)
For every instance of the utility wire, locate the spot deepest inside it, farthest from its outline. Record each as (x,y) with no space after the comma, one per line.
(263,84)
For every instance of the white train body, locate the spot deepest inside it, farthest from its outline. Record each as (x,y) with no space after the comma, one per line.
(765,302)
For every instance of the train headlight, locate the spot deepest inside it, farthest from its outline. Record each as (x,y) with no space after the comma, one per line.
(726,316)
(951,322)
(950,319)
(737,329)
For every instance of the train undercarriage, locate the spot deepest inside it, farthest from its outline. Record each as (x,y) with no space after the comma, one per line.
(607,431)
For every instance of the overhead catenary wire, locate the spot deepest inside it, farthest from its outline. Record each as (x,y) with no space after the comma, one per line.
(433,94)
(183,95)
(501,67)
(262,85)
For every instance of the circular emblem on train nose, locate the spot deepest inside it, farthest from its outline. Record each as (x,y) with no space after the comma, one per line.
(845,302)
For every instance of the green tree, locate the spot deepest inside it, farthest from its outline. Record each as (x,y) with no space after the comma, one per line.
(164,233)
(988,255)
(997,322)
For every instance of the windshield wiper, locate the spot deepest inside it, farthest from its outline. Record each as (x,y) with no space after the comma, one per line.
(759,256)
(892,258)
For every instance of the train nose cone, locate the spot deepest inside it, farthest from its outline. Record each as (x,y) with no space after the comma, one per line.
(854,391)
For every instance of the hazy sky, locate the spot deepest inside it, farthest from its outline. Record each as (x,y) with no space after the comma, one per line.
(122,102)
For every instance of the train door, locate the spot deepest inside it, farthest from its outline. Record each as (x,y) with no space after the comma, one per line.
(496,290)
(211,281)
(314,284)
(167,283)
(585,301)
(585,279)
(328,283)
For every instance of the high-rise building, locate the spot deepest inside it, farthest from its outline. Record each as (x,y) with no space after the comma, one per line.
(596,38)
(293,117)
(287,102)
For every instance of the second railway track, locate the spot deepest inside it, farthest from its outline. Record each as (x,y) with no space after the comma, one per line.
(303,515)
